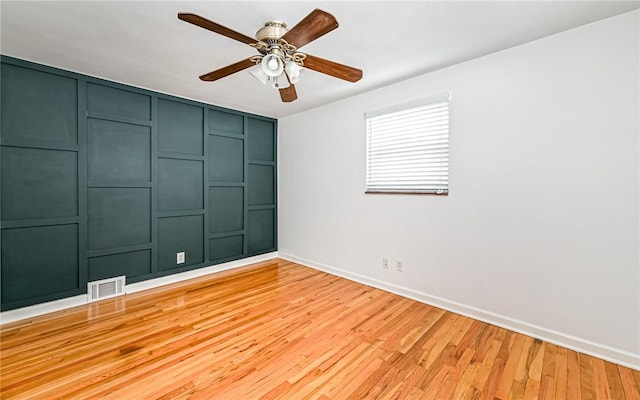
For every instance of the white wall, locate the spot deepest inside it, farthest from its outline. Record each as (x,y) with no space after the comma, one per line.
(540,231)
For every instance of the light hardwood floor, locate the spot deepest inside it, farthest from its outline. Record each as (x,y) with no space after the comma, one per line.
(278,330)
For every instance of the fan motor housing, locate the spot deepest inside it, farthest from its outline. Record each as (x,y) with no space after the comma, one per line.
(272,31)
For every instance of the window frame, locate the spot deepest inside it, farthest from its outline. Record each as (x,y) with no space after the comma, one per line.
(433,100)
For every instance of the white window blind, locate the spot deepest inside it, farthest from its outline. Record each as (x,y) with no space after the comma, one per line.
(408,149)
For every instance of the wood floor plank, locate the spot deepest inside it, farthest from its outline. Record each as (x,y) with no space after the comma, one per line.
(587,382)
(574,377)
(601,384)
(510,368)
(614,380)
(548,388)
(520,377)
(432,392)
(278,330)
(561,375)
(631,390)
(481,378)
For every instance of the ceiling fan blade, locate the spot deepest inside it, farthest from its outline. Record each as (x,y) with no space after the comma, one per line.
(217,28)
(332,68)
(288,94)
(228,70)
(314,25)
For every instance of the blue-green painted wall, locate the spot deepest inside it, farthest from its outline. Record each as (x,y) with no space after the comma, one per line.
(100,179)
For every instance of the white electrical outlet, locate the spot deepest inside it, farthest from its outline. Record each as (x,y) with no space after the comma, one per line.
(180,257)
(399,266)
(385,263)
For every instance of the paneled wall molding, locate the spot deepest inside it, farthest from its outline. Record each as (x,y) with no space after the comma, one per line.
(101,179)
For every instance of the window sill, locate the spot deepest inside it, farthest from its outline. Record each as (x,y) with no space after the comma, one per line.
(443,193)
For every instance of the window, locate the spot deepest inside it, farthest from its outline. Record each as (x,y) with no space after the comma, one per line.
(408,148)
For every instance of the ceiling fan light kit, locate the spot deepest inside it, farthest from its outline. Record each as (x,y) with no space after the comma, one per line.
(259,74)
(294,72)
(279,62)
(272,65)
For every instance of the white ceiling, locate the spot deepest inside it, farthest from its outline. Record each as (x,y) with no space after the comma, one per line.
(144,44)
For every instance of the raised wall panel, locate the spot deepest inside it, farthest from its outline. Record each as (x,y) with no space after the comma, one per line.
(98,179)
(38,105)
(261,187)
(225,247)
(180,128)
(226,122)
(180,185)
(261,233)
(226,209)
(176,234)
(226,159)
(119,217)
(39,261)
(132,264)
(118,152)
(261,139)
(38,183)
(118,102)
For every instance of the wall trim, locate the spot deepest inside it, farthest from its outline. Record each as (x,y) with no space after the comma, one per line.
(196,273)
(42,308)
(598,350)
(605,352)
(79,300)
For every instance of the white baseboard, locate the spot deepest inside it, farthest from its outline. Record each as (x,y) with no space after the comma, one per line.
(605,352)
(42,308)
(195,273)
(69,302)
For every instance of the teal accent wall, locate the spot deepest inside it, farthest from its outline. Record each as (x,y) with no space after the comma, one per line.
(100,179)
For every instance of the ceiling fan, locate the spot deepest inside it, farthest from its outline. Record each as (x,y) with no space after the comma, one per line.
(279,62)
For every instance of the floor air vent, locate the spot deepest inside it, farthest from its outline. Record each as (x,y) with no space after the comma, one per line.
(105,288)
